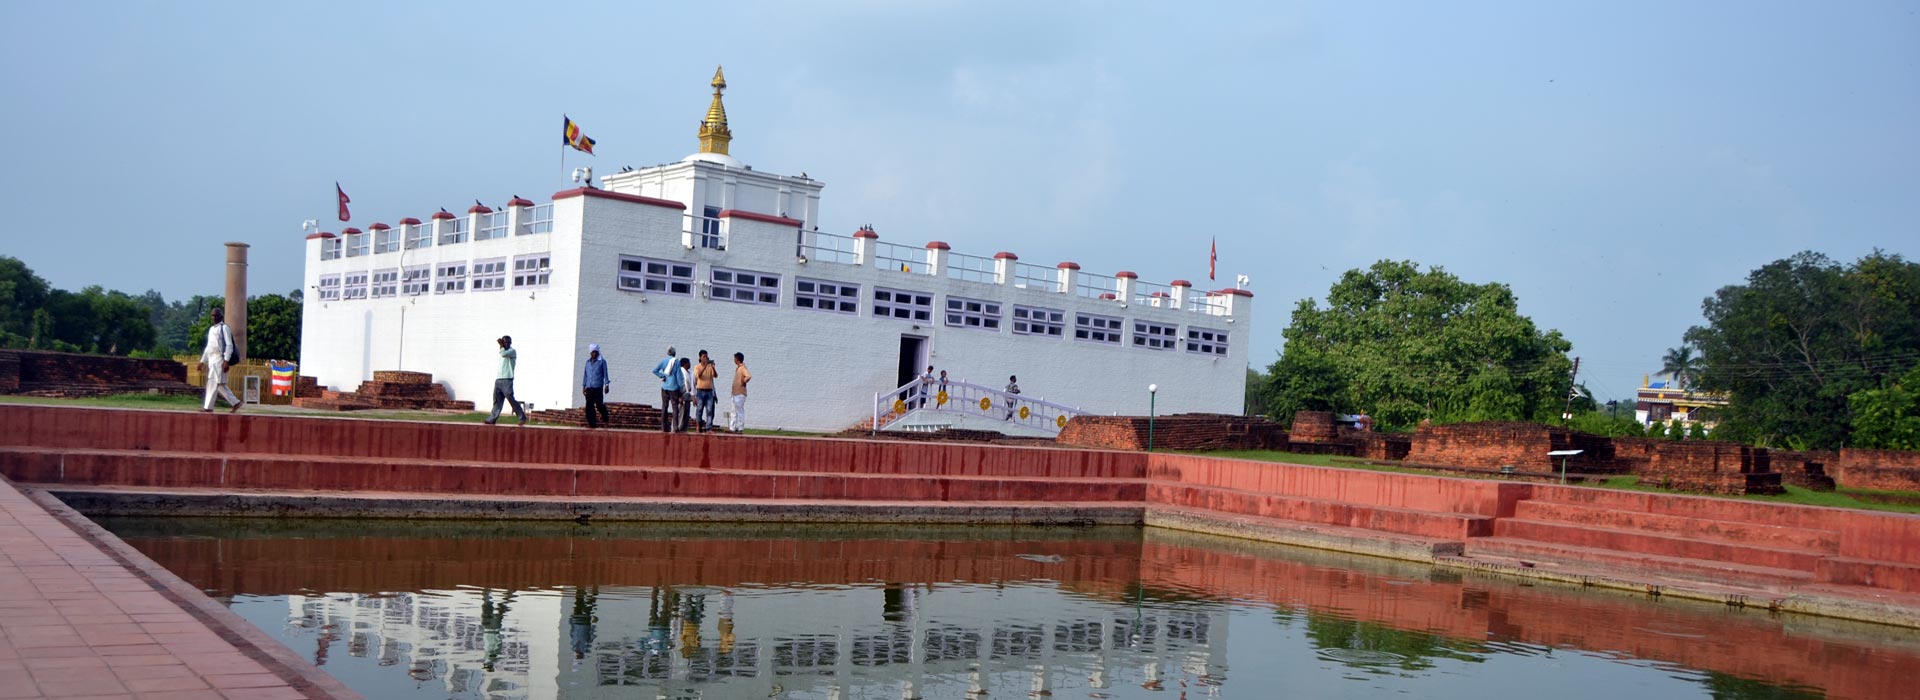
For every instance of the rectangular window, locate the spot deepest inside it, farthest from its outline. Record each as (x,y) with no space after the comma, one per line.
(357,245)
(329,288)
(902,304)
(745,287)
(709,236)
(415,281)
(1097,329)
(539,220)
(1206,341)
(1033,320)
(386,240)
(973,313)
(330,249)
(450,278)
(531,270)
(489,275)
(821,295)
(453,231)
(649,275)
(386,283)
(1154,336)
(355,286)
(419,235)
(492,226)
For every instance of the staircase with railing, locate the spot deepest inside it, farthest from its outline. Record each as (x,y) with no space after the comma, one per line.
(916,407)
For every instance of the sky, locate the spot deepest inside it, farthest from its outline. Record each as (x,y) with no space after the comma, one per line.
(1613,162)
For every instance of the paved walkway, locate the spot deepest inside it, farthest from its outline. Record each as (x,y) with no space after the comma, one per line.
(82,616)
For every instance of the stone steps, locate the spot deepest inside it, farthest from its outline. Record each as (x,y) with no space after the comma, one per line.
(1728,531)
(1299,509)
(1637,542)
(257,471)
(1533,553)
(1893,576)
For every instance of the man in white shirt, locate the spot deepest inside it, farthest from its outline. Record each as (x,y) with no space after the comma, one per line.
(213,362)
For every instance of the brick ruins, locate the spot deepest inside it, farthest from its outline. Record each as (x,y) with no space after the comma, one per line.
(1886,470)
(69,375)
(388,390)
(629,416)
(1187,431)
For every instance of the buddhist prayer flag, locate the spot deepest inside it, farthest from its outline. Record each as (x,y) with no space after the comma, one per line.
(344,216)
(572,136)
(1213,256)
(282,376)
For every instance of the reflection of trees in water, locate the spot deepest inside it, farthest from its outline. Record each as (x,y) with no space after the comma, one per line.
(1724,687)
(1374,646)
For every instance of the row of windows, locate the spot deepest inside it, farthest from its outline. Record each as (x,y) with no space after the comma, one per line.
(538,220)
(529,271)
(746,287)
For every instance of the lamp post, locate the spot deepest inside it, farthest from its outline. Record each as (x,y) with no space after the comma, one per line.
(1153,393)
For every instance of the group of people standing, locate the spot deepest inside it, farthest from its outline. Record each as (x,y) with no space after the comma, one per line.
(687,393)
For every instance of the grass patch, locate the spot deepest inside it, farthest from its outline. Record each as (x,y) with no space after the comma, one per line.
(1842,498)
(150,401)
(1312,460)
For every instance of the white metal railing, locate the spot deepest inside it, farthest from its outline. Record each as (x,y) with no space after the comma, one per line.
(492,226)
(419,236)
(1029,276)
(453,231)
(1094,286)
(1151,294)
(707,232)
(330,248)
(826,247)
(539,220)
(972,268)
(1209,304)
(956,397)
(358,245)
(894,256)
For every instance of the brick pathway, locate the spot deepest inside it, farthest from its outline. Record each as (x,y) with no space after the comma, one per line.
(82,619)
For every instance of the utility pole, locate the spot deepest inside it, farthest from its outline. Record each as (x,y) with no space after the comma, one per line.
(1566,413)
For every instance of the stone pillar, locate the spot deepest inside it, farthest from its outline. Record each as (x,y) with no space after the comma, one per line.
(1069,277)
(1005,270)
(237,295)
(1123,282)
(1182,289)
(937,258)
(864,248)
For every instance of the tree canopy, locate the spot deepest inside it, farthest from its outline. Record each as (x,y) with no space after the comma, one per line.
(1402,344)
(35,315)
(1804,334)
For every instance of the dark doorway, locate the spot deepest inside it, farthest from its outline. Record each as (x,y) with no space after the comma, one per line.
(912,349)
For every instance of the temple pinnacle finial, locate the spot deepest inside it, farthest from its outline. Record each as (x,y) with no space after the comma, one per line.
(714,134)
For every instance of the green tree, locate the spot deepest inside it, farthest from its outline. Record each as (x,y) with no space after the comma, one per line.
(1888,418)
(273,327)
(1402,344)
(22,295)
(1801,336)
(1681,364)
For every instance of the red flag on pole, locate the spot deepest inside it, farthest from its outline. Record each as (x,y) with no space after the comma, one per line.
(1213,255)
(344,216)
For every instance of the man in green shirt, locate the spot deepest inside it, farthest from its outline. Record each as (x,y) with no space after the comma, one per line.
(503,384)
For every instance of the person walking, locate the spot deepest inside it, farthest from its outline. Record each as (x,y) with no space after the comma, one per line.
(503,382)
(219,352)
(1013,387)
(668,373)
(738,421)
(703,396)
(594,384)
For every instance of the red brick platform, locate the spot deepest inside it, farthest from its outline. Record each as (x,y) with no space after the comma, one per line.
(84,615)
(1741,552)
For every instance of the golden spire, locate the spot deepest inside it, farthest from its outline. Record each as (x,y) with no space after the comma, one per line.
(714,134)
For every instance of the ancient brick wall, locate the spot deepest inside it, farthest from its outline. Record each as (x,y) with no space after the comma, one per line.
(1884,470)
(1190,431)
(620,415)
(1711,466)
(1805,469)
(1487,445)
(38,373)
(1382,447)
(1313,426)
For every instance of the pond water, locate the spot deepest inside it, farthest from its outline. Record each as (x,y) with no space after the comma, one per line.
(546,611)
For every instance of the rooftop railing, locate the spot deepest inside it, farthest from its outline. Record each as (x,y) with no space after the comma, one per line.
(815,246)
(1030,276)
(893,256)
(538,220)
(1096,286)
(492,226)
(972,268)
(1151,294)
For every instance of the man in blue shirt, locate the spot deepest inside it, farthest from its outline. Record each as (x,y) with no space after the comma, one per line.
(672,384)
(594,384)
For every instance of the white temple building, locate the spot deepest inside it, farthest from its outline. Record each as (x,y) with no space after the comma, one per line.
(708,253)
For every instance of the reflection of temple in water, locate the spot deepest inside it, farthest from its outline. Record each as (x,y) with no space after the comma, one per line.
(959,640)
